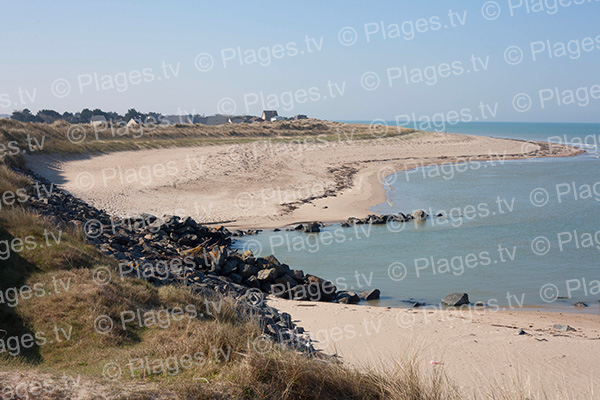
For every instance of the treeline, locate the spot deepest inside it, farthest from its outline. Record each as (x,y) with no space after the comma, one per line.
(83,117)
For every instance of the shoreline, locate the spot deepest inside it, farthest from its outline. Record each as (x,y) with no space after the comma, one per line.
(328,184)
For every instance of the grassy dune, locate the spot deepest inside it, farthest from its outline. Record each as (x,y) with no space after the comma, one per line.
(86,138)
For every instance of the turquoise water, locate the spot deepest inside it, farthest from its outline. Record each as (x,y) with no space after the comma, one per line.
(514,233)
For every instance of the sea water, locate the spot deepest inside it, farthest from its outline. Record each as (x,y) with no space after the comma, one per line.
(512,233)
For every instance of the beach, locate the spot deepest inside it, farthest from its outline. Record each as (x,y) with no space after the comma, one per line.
(245,186)
(266,183)
(478,349)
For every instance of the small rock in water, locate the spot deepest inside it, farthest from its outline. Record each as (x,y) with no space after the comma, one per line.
(312,228)
(456,299)
(372,294)
(580,304)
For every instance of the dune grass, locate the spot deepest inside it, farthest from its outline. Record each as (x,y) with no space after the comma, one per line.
(84,138)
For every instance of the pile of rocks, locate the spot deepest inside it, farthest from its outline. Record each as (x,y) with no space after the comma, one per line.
(179,250)
(374,219)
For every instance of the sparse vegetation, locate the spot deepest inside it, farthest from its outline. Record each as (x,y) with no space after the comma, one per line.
(105,138)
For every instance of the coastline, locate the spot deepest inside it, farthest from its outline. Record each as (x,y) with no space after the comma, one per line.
(328,182)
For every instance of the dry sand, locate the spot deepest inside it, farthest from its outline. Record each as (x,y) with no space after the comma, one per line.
(266,184)
(478,350)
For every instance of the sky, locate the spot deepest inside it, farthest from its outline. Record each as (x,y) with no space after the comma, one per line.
(506,60)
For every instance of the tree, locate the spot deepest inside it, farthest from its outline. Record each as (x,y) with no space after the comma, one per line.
(25,116)
(85,116)
(48,116)
(132,114)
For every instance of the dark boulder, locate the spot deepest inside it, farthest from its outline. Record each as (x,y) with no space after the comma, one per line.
(456,299)
(372,294)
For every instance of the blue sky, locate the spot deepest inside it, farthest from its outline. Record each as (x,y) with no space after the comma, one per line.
(111,55)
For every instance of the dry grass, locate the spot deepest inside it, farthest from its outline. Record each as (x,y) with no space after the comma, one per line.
(135,138)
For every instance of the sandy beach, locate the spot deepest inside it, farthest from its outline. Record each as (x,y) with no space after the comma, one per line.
(267,184)
(477,349)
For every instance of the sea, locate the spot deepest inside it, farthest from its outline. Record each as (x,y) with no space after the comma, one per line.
(512,234)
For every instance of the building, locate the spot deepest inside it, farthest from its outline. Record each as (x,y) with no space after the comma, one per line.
(300,116)
(217,119)
(132,122)
(267,115)
(278,118)
(97,120)
(177,119)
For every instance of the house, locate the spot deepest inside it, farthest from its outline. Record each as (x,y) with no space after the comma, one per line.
(176,119)
(236,120)
(267,115)
(256,119)
(300,116)
(132,122)
(97,120)
(278,118)
(217,119)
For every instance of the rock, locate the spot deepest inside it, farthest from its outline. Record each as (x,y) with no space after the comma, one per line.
(372,294)
(345,225)
(419,215)
(522,332)
(297,274)
(479,304)
(347,298)
(320,289)
(230,266)
(236,278)
(580,304)
(299,227)
(563,328)
(312,228)
(252,282)
(456,299)
(267,275)
(249,270)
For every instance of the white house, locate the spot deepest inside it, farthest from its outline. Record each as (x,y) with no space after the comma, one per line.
(98,120)
(278,118)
